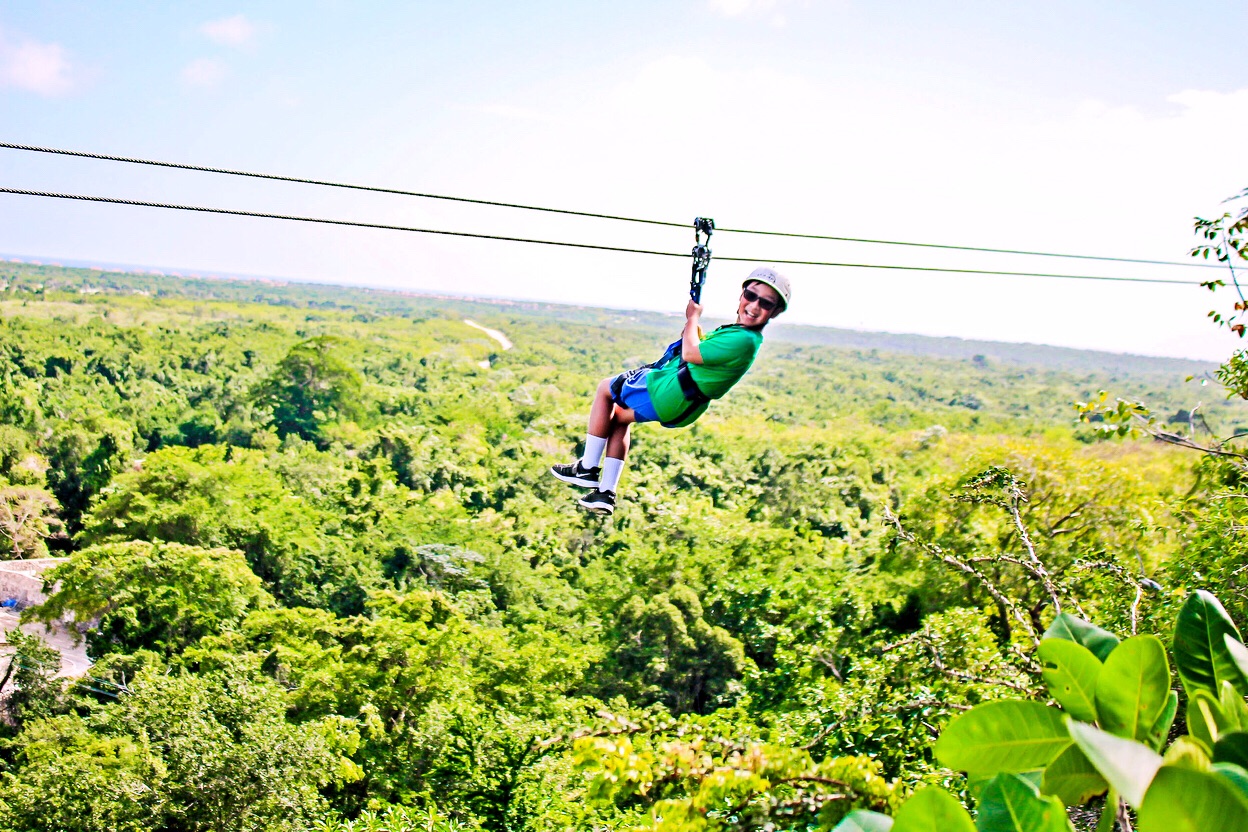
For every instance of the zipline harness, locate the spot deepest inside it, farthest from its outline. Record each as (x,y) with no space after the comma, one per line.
(702,226)
(701,262)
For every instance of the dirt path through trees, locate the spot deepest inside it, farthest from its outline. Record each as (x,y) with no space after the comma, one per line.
(493,333)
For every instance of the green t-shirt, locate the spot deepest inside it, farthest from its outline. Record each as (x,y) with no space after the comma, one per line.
(727,353)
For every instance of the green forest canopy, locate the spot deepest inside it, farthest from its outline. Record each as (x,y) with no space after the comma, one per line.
(313,529)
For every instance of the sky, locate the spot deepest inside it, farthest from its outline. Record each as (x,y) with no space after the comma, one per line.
(1071,127)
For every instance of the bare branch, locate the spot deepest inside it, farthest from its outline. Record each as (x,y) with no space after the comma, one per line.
(1124,816)
(823,781)
(938,662)
(1037,567)
(824,733)
(988,680)
(1138,582)
(920,704)
(1183,442)
(935,551)
(827,658)
(997,559)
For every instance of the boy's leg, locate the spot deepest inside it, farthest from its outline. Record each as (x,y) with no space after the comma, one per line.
(617,452)
(602,499)
(585,471)
(600,411)
(599,425)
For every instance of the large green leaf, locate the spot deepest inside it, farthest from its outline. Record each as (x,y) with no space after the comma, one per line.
(860,820)
(1070,672)
(1232,748)
(1129,766)
(1072,778)
(1005,736)
(1200,652)
(1068,627)
(1234,774)
(1187,752)
(1009,803)
(931,809)
(1182,800)
(1161,728)
(1239,655)
(1205,720)
(976,782)
(1233,708)
(1133,688)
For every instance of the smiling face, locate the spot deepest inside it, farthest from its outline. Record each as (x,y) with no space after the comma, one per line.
(754,297)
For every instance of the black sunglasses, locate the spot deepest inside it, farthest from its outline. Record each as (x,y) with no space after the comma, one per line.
(767,304)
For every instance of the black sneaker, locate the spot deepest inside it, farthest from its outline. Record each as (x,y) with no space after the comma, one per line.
(599,502)
(575,474)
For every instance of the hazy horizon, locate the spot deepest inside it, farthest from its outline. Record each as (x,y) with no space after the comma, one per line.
(190,274)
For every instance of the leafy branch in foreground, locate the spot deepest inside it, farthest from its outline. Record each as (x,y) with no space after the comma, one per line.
(1126,418)
(1104,742)
(1107,734)
(1226,240)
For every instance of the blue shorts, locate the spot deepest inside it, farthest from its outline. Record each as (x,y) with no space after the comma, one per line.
(629,390)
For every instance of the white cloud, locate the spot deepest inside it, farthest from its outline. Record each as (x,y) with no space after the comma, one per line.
(41,68)
(737,8)
(205,73)
(772,11)
(230,31)
(508,111)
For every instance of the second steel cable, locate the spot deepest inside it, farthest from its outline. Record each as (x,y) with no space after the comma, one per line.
(475,235)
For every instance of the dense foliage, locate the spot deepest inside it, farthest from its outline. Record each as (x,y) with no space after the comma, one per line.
(327,583)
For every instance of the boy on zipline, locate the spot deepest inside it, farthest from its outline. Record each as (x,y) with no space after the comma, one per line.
(676,389)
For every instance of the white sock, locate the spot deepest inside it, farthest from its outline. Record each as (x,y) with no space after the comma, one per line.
(611,470)
(594,446)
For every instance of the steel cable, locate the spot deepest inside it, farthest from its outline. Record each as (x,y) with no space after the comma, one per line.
(964,271)
(324,221)
(971,248)
(399,192)
(479,236)
(327,184)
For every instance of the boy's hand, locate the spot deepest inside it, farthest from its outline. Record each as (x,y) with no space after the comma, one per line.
(690,336)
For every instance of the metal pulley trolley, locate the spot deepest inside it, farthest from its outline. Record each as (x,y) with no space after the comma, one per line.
(701,256)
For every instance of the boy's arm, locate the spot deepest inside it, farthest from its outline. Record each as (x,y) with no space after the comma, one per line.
(689,337)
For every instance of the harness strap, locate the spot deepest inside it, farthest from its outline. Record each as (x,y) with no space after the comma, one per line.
(673,350)
(689,387)
(617,387)
(693,395)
